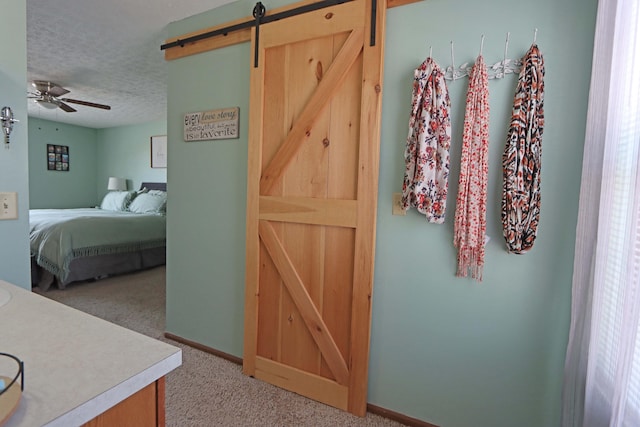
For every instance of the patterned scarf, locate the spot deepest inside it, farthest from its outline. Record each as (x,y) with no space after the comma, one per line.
(522,158)
(426,176)
(470,221)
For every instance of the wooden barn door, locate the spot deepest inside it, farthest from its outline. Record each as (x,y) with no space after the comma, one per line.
(311,207)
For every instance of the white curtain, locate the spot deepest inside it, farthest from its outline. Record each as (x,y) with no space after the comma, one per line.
(602,368)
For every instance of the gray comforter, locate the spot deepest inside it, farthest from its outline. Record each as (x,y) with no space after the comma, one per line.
(59,236)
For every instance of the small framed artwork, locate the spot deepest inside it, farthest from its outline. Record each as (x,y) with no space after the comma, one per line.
(159,151)
(57,157)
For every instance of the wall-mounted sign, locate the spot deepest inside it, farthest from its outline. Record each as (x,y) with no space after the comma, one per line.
(212,124)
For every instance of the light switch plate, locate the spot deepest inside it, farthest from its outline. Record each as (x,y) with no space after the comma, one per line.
(9,205)
(397,205)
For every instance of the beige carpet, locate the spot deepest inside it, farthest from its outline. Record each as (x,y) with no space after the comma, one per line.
(206,390)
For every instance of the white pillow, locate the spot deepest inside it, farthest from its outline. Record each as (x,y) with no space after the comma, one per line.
(152,202)
(117,200)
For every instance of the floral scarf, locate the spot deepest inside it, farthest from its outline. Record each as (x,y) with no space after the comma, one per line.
(522,158)
(470,217)
(426,176)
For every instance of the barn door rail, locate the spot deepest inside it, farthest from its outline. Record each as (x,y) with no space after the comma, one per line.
(260,17)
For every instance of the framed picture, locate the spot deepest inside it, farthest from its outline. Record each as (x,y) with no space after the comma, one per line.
(57,157)
(159,151)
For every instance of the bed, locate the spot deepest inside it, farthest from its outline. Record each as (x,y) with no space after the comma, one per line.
(126,233)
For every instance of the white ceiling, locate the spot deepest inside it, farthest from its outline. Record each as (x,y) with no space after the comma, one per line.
(107,52)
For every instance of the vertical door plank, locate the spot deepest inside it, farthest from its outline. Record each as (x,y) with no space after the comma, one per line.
(252,257)
(302,241)
(298,346)
(338,290)
(276,109)
(269,321)
(342,184)
(367,203)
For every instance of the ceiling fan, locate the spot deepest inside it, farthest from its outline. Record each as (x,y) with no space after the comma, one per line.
(48,95)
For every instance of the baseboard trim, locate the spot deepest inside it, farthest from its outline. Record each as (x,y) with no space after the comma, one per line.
(377,410)
(206,349)
(396,416)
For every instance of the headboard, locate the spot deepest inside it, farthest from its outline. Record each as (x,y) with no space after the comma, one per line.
(154,186)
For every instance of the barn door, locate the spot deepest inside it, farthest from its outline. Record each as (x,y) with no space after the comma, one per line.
(311,206)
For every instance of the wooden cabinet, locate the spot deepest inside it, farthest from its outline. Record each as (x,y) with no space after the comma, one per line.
(142,409)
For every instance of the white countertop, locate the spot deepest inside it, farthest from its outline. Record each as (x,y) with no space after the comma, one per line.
(76,365)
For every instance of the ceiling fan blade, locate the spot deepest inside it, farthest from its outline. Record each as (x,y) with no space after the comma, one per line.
(67,108)
(51,88)
(57,91)
(86,103)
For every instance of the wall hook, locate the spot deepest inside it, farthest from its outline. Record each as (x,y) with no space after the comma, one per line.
(453,63)
(504,59)
(535,35)
(481,44)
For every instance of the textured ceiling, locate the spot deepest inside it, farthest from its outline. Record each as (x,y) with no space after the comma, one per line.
(107,52)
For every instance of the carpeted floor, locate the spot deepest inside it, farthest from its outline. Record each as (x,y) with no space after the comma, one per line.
(206,390)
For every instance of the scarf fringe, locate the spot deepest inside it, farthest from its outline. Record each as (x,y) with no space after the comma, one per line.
(470,262)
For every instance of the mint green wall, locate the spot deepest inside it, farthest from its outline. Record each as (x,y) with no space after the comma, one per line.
(95,154)
(125,152)
(206,204)
(55,189)
(14,162)
(446,350)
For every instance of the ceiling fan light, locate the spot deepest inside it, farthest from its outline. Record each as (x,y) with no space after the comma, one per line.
(47,104)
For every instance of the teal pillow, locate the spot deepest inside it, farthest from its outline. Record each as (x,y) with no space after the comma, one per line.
(152,202)
(117,200)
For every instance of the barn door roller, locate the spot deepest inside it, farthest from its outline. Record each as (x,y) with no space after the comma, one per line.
(258,12)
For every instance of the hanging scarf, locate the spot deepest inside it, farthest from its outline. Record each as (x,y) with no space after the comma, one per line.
(426,176)
(470,220)
(522,158)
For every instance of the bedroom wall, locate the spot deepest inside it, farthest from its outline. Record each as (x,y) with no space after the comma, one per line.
(446,350)
(75,188)
(14,162)
(125,152)
(95,154)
